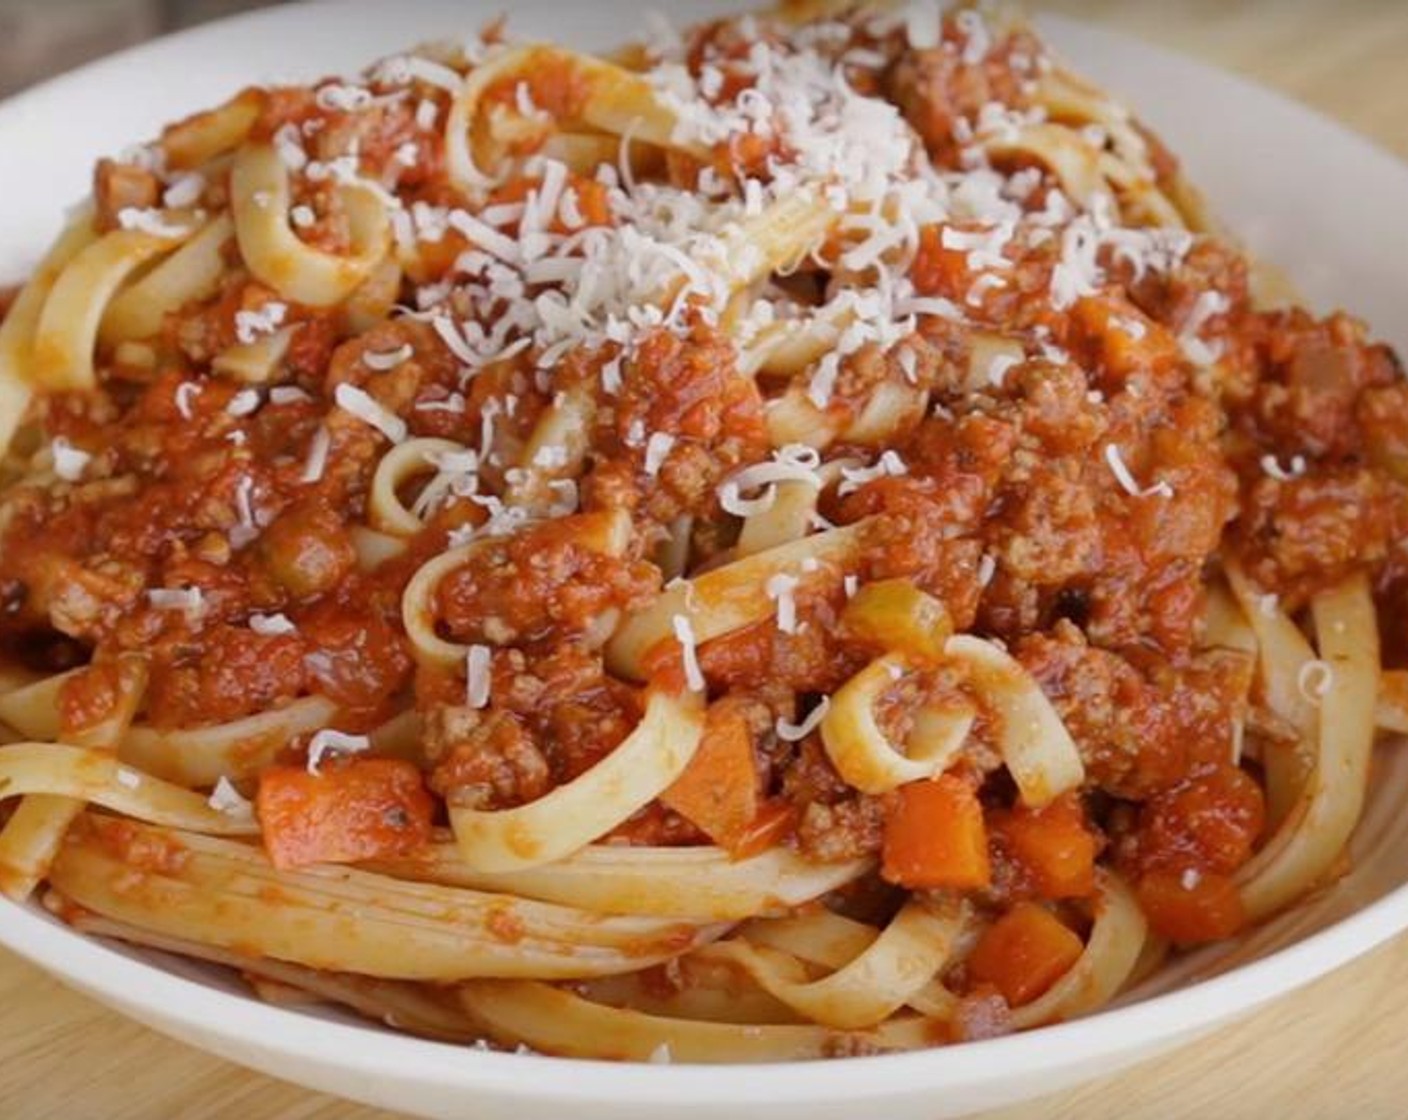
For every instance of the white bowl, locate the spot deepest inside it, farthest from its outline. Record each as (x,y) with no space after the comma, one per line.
(1304,193)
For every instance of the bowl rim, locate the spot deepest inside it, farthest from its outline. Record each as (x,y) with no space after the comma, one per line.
(93,965)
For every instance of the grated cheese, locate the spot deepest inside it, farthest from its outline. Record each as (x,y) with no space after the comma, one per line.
(477,676)
(790,732)
(853,478)
(287,394)
(129,779)
(383,360)
(657,450)
(1314,680)
(185,191)
(250,326)
(187,599)
(184,392)
(367,409)
(1127,482)
(271,625)
(243,403)
(151,222)
(225,798)
(1272,466)
(317,459)
(69,462)
(684,634)
(781,589)
(329,741)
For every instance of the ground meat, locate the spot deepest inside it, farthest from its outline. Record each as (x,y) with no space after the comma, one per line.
(1137,734)
(936,89)
(1297,536)
(484,760)
(551,581)
(847,830)
(121,186)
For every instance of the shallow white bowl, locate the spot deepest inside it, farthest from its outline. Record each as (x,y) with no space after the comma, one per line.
(1304,193)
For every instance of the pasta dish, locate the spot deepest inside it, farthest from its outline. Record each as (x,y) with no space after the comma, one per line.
(800,537)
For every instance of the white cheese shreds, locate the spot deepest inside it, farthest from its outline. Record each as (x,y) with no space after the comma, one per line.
(1268,605)
(427,113)
(657,450)
(184,392)
(187,599)
(250,326)
(303,216)
(790,732)
(1314,680)
(185,191)
(850,585)
(383,360)
(661,1055)
(1272,466)
(225,798)
(684,634)
(853,478)
(478,662)
(154,223)
(405,69)
(243,403)
(329,741)
(69,462)
(317,460)
(1127,482)
(287,394)
(271,625)
(344,99)
(129,779)
(367,409)
(987,568)
(781,589)
(794,462)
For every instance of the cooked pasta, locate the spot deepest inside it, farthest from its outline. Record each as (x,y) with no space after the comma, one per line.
(797,539)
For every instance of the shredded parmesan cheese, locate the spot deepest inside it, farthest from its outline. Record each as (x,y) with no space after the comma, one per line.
(478,662)
(657,450)
(383,360)
(69,462)
(1127,482)
(781,589)
(328,741)
(225,798)
(367,409)
(853,478)
(684,634)
(271,625)
(790,732)
(1272,466)
(1314,680)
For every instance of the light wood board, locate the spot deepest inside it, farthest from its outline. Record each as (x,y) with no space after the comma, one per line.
(1334,1049)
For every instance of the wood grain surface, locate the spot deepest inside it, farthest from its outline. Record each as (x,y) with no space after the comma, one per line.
(1331,1050)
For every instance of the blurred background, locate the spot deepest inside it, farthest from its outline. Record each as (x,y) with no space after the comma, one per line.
(1338,55)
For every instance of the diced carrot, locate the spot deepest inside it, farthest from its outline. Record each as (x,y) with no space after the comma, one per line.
(1024,952)
(368,808)
(1190,906)
(769,828)
(938,271)
(893,614)
(1052,845)
(719,791)
(935,837)
(1122,337)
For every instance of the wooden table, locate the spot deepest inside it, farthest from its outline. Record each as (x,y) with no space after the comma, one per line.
(1331,1050)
